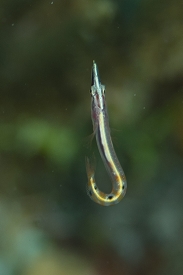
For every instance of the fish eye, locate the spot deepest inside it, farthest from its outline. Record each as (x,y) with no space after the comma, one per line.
(103,89)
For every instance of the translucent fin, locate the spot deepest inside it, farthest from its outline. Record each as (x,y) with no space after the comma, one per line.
(88,141)
(90,166)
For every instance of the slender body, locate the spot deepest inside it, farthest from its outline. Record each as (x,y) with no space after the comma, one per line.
(101,130)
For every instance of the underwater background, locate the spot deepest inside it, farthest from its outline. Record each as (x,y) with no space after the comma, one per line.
(48,224)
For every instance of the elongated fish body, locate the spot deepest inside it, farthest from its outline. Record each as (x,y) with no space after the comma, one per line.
(102,131)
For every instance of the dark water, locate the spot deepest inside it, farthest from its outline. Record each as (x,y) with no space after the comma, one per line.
(48,223)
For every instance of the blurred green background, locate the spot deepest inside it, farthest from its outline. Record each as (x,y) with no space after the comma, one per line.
(48,224)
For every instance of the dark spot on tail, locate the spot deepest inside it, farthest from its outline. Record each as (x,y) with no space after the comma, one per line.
(110,197)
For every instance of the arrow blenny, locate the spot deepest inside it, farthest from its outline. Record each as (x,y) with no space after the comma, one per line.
(102,132)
